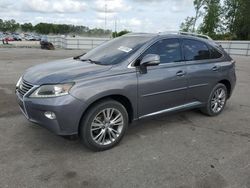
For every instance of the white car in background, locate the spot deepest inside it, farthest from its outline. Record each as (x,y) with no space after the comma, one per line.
(2,37)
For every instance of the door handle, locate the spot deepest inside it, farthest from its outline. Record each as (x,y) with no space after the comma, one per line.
(215,68)
(180,73)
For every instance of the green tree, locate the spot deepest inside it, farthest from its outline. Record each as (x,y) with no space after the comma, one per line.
(188,24)
(26,27)
(211,21)
(1,25)
(241,25)
(236,16)
(9,25)
(42,28)
(198,4)
(230,10)
(50,28)
(118,34)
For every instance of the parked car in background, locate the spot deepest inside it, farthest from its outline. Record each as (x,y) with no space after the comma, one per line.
(17,37)
(44,38)
(2,37)
(131,77)
(37,37)
(20,36)
(9,38)
(46,45)
(29,38)
(32,37)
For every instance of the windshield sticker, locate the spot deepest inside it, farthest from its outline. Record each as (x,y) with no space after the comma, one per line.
(125,49)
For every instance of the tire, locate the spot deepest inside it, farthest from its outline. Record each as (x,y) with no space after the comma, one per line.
(101,132)
(215,105)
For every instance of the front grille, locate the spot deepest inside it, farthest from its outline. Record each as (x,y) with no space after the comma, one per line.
(24,88)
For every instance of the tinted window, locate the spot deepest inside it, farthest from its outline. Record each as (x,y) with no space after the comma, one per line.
(116,50)
(195,50)
(169,50)
(214,53)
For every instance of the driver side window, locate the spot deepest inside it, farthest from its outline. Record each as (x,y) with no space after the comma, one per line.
(169,50)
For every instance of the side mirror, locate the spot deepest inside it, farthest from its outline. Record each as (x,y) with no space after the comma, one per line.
(150,60)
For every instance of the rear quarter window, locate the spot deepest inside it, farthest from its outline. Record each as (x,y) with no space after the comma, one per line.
(195,50)
(214,53)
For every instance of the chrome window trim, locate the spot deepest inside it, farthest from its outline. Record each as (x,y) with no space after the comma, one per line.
(156,39)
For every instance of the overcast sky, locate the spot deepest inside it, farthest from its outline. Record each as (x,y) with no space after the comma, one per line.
(134,15)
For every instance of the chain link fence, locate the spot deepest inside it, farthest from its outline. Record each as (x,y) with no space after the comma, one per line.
(85,43)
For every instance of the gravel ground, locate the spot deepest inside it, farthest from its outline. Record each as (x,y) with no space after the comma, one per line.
(184,150)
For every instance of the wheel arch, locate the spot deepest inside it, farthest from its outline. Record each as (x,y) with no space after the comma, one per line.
(228,86)
(117,97)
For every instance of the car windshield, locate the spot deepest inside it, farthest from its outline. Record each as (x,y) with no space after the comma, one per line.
(116,50)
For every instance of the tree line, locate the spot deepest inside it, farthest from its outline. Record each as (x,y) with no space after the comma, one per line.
(226,19)
(50,28)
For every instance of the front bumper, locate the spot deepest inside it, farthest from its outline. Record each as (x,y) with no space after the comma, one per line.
(68,111)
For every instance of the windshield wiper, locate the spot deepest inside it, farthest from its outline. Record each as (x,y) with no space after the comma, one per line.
(92,61)
(78,57)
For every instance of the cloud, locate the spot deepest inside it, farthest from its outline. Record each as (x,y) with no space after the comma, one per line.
(102,15)
(132,24)
(173,5)
(55,6)
(5,6)
(134,15)
(181,5)
(109,10)
(111,6)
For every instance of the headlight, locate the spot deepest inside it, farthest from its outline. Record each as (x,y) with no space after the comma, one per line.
(46,91)
(19,82)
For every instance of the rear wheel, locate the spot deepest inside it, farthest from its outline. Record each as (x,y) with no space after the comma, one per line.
(217,100)
(104,125)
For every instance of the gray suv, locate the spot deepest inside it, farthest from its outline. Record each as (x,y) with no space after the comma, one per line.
(97,94)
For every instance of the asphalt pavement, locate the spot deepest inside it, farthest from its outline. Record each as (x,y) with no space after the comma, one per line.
(183,150)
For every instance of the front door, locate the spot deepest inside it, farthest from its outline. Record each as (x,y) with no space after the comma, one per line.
(163,86)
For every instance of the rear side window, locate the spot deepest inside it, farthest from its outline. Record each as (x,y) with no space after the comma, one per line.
(169,50)
(195,50)
(214,53)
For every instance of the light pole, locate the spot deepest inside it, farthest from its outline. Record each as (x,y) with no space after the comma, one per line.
(105,15)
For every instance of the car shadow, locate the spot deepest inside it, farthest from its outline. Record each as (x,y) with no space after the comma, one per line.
(46,140)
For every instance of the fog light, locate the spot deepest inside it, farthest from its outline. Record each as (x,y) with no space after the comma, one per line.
(50,115)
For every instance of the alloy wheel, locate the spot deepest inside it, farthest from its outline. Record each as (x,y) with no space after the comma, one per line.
(107,126)
(218,100)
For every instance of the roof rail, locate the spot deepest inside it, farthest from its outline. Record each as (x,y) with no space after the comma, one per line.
(131,33)
(196,35)
(188,33)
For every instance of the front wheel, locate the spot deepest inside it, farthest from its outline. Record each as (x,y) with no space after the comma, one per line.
(217,100)
(104,125)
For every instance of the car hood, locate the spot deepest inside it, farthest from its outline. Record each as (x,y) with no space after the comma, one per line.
(61,70)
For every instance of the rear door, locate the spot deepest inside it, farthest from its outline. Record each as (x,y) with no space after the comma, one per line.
(163,86)
(202,69)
